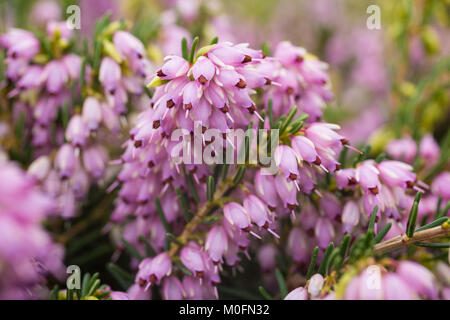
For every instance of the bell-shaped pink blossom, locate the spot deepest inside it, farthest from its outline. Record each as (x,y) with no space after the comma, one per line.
(299,293)
(77,131)
(109,74)
(173,67)
(396,174)
(324,232)
(237,216)
(286,160)
(92,114)
(203,70)
(305,149)
(429,150)
(216,244)
(65,161)
(418,278)
(350,216)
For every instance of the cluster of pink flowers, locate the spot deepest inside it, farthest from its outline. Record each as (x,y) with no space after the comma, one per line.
(80,158)
(27,252)
(217,91)
(299,78)
(187,219)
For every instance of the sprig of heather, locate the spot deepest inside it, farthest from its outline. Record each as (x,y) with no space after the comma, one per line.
(79,99)
(215,90)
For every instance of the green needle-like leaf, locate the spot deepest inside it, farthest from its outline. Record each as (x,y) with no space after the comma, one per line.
(214,41)
(184,49)
(312,264)
(373,217)
(380,236)
(433,245)
(281,283)
(264,293)
(324,262)
(412,219)
(210,188)
(193,48)
(433,224)
(85,284)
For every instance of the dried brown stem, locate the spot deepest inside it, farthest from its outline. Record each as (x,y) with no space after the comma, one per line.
(420,236)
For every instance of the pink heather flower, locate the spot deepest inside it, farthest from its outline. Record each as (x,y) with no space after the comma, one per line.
(55,76)
(429,150)
(350,216)
(367,177)
(66,161)
(440,185)
(173,67)
(193,289)
(40,168)
(31,78)
(265,187)
(110,74)
(172,289)
(72,63)
(396,174)
(299,293)
(287,192)
(395,288)
(418,278)
(216,244)
(152,270)
(328,143)
(315,285)
(92,114)
(301,80)
(402,149)
(77,131)
(20,44)
(237,216)
(128,46)
(286,160)
(346,178)
(305,149)
(299,246)
(324,232)
(257,211)
(204,70)
(192,258)
(267,257)
(330,205)
(45,11)
(95,160)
